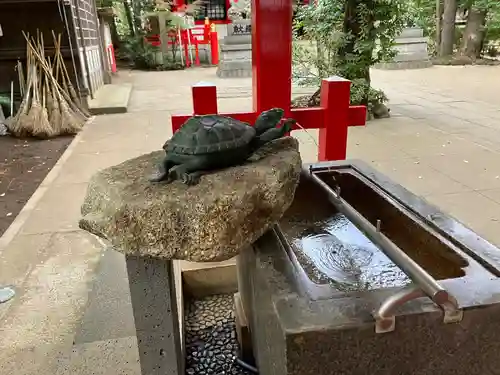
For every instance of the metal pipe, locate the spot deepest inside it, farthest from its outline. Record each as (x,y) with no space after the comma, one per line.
(416,273)
(385,320)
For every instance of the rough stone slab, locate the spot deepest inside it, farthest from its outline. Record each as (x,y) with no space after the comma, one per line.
(110,99)
(152,290)
(236,46)
(404,65)
(211,221)
(235,69)
(237,40)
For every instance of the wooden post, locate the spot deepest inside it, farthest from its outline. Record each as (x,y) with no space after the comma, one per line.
(204,99)
(214,47)
(335,99)
(271,54)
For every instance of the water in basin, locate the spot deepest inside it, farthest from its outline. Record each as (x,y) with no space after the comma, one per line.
(331,249)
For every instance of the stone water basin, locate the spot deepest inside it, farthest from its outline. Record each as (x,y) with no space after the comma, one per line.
(330,254)
(313,288)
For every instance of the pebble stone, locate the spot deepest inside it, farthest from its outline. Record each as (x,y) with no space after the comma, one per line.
(3,130)
(211,343)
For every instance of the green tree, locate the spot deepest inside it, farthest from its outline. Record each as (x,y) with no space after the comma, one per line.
(350,37)
(482,20)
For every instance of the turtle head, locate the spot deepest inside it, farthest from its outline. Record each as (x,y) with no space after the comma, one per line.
(268,119)
(288,125)
(274,114)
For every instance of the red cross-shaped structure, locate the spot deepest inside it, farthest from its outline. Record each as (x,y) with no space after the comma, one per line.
(272,86)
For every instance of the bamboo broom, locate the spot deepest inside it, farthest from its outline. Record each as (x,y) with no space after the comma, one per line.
(43,81)
(69,122)
(38,113)
(52,79)
(19,126)
(66,81)
(54,113)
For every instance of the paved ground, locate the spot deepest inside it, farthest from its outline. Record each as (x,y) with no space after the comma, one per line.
(72,314)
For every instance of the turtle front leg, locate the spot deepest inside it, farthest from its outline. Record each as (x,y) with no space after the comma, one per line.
(189,172)
(163,174)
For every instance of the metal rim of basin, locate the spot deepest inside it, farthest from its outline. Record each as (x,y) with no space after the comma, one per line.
(6,294)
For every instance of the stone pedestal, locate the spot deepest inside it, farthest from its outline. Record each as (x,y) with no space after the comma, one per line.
(154,224)
(236,51)
(411,47)
(156,315)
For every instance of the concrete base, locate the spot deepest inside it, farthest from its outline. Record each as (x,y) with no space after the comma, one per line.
(110,99)
(234,69)
(411,51)
(236,57)
(154,302)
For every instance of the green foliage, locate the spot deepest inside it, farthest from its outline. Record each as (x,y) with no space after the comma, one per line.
(492,29)
(333,44)
(140,54)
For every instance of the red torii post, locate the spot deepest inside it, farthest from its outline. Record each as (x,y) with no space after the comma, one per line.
(272,86)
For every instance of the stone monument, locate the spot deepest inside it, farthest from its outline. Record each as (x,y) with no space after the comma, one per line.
(154,223)
(411,48)
(236,47)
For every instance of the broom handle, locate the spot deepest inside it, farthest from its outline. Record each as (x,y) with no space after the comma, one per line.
(60,61)
(20,77)
(65,70)
(43,63)
(56,56)
(12,98)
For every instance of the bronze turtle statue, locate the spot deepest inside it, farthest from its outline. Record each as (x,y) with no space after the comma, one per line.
(211,142)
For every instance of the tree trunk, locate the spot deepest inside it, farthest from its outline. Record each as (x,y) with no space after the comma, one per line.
(115,38)
(352,26)
(473,36)
(448,28)
(130,17)
(439,16)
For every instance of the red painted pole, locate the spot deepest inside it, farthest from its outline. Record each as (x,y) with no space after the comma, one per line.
(335,100)
(185,44)
(196,53)
(271,54)
(214,47)
(204,99)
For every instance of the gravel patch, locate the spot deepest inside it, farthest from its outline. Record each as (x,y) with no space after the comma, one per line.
(211,343)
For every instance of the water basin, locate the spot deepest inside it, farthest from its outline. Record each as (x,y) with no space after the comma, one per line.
(332,251)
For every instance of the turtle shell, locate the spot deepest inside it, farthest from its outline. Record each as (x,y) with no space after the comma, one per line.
(210,134)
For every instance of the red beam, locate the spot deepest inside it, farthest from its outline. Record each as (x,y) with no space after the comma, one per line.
(357,115)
